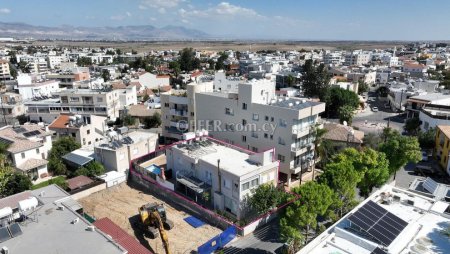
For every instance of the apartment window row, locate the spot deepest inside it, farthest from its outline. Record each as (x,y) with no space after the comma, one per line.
(266,118)
(250,184)
(281,158)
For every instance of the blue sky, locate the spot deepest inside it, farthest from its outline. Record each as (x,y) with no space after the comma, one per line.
(259,19)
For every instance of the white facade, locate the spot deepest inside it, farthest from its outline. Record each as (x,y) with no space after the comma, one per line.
(152,81)
(255,119)
(239,171)
(38,89)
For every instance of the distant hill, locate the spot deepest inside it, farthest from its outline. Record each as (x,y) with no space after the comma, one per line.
(126,33)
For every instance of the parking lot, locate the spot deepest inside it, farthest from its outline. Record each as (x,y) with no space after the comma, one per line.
(121,204)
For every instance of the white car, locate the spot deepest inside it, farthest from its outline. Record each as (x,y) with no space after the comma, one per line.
(375,109)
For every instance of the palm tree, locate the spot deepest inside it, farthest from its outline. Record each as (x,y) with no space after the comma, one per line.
(318,134)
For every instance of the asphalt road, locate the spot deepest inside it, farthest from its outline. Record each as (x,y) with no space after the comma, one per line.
(265,240)
(374,122)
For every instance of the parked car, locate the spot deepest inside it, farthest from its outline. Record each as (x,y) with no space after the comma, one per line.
(375,109)
(424,170)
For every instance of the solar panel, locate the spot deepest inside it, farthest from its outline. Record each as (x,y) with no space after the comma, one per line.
(20,130)
(5,141)
(378,251)
(31,133)
(15,230)
(378,222)
(4,235)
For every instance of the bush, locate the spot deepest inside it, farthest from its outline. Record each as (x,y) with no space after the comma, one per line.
(59,180)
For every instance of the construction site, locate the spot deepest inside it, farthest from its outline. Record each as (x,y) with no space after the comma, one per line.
(121,204)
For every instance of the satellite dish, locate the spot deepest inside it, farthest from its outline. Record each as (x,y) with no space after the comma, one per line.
(344,123)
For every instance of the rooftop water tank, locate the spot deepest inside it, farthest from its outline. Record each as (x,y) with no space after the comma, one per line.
(28,204)
(4,212)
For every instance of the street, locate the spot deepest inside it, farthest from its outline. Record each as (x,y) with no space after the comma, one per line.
(374,122)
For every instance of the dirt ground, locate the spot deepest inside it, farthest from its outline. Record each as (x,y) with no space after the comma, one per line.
(121,204)
(224,45)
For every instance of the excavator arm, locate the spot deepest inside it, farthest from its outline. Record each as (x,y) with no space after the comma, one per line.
(164,237)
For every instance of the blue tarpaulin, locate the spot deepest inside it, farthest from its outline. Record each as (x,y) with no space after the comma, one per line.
(191,220)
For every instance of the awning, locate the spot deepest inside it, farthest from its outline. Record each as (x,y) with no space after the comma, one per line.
(77,159)
(190,185)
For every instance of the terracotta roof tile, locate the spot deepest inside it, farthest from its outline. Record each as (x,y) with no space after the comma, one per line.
(339,132)
(78,182)
(445,129)
(31,163)
(120,236)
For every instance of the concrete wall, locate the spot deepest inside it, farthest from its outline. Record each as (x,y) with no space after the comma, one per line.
(89,191)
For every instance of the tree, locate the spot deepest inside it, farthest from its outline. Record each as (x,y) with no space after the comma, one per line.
(427,139)
(61,147)
(186,59)
(84,61)
(315,80)
(318,134)
(412,125)
(12,57)
(290,80)
(106,75)
(372,164)
(372,140)
(346,113)
(363,87)
(301,216)
(12,71)
(220,61)
(400,150)
(24,67)
(340,175)
(265,198)
(338,98)
(92,169)
(153,121)
(16,183)
(146,97)
(175,67)
(129,120)
(22,119)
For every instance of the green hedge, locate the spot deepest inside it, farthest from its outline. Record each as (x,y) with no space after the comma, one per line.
(59,180)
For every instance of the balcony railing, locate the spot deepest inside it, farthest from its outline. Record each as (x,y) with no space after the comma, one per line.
(177,112)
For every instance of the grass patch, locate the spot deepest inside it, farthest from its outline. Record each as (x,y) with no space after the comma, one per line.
(59,180)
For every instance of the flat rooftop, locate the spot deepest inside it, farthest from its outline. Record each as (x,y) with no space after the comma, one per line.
(232,160)
(51,230)
(425,219)
(294,103)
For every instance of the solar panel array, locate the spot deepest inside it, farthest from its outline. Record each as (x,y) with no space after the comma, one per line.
(4,234)
(5,141)
(378,222)
(19,130)
(15,230)
(378,251)
(31,133)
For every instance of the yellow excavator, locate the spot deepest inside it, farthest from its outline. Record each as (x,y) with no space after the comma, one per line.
(155,222)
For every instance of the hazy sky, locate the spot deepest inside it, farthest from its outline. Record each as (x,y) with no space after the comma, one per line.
(268,19)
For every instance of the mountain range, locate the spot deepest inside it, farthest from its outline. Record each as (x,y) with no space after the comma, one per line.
(125,33)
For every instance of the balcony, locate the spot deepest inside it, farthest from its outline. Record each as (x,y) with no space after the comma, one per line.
(301,148)
(176,112)
(179,125)
(297,132)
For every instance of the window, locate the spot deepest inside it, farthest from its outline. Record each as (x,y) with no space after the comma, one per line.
(266,118)
(254,149)
(229,111)
(23,155)
(74,134)
(37,150)
(192,113)
(244,106)
(244,138)
(281,141)
(272,119)
(281,158)
(74,99)
(271,137)
(266,135)
(254,182)
(166,105)
(283,123)
(254,134)
(88,132)
(229,127)
(255,117)
(245,186)
(226,184)
(244,122)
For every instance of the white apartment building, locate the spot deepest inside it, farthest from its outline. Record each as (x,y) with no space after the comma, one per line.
(54,62)
(85,131)
(118,150)
(84,102)
(333,58)
(254,118)
(228,174)
(178,109)
(36,89)
(357,58)
(391,61)
(152,81)
(11,107)
(28,148)
(4,69)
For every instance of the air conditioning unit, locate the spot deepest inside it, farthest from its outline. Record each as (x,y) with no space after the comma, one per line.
(91,228)
(4,250)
